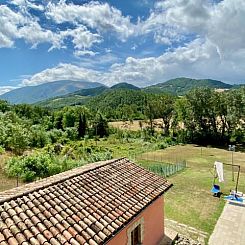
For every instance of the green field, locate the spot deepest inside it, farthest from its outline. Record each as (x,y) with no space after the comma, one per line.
(190,201)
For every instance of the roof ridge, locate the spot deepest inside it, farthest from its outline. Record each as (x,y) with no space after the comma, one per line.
(54,179)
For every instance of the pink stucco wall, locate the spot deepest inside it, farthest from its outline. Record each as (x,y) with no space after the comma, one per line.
(153,217)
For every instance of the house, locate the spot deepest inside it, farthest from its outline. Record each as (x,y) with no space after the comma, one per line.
(113,202)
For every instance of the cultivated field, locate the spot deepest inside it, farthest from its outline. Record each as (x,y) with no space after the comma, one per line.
(135,124)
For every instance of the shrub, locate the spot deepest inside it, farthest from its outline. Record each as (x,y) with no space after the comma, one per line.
(32,167)
(39,137)
(55,135)
(99,156)
(71,133)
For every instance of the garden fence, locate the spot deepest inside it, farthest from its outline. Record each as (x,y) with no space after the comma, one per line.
(167,169)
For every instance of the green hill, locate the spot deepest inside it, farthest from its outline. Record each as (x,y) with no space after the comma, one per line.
(103,95)
(82,96)
(77,98)
(125,86)
(182,85)
(119,103)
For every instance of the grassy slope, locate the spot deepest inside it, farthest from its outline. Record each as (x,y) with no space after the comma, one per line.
(190,201)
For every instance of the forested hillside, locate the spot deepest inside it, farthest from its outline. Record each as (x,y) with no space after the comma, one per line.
(180,86)
(206,116)
(83,96)
(64,93)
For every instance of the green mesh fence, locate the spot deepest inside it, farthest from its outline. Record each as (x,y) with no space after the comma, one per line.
(167,169)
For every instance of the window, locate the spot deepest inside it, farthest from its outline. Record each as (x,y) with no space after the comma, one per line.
(135,232)
(136,236)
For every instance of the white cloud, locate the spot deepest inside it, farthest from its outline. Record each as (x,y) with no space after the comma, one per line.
(34,34)
(205,39)
(79,53)
(9,23)
(24,4)
(102,17)
(21,25)
(18,25)
(220,23)
(5,89)
(198,59)
(82,38)
(62,72)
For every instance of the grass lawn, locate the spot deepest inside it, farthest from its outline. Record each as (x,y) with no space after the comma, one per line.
(190,201)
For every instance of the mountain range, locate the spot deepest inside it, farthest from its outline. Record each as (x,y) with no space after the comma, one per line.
(62,93)
(32,94)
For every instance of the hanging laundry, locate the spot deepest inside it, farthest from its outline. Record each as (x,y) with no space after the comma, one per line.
(220,171)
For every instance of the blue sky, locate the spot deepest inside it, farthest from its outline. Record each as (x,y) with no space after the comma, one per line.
(142,42)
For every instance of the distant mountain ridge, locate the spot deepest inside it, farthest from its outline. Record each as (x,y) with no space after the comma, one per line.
(178,86)
(182,85)
(63,93)
(32,94)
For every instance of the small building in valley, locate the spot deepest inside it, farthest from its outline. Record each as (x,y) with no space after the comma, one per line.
(113,202)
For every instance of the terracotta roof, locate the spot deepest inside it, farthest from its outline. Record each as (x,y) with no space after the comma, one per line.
(87,205)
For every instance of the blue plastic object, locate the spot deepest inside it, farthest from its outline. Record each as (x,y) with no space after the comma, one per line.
(233,198)
(215,189)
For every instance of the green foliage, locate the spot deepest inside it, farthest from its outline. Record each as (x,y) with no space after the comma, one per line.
(166,170)
(39,137)
(182,85)
(201,116)
(71,133)
(119,104)
(2,150)
(209,117)
(166,142)
(31,167)
(17,138)
(55,135)
(100,126)
(99,156)
(39,165)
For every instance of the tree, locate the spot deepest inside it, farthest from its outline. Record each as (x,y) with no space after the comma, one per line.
(100,126)
(82,125)
(151,113)
(69,117)
(17,138)
(165,109)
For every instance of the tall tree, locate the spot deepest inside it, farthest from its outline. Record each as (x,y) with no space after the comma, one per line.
(82,125)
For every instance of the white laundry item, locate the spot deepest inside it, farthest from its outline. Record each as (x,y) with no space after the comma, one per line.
(219,170)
